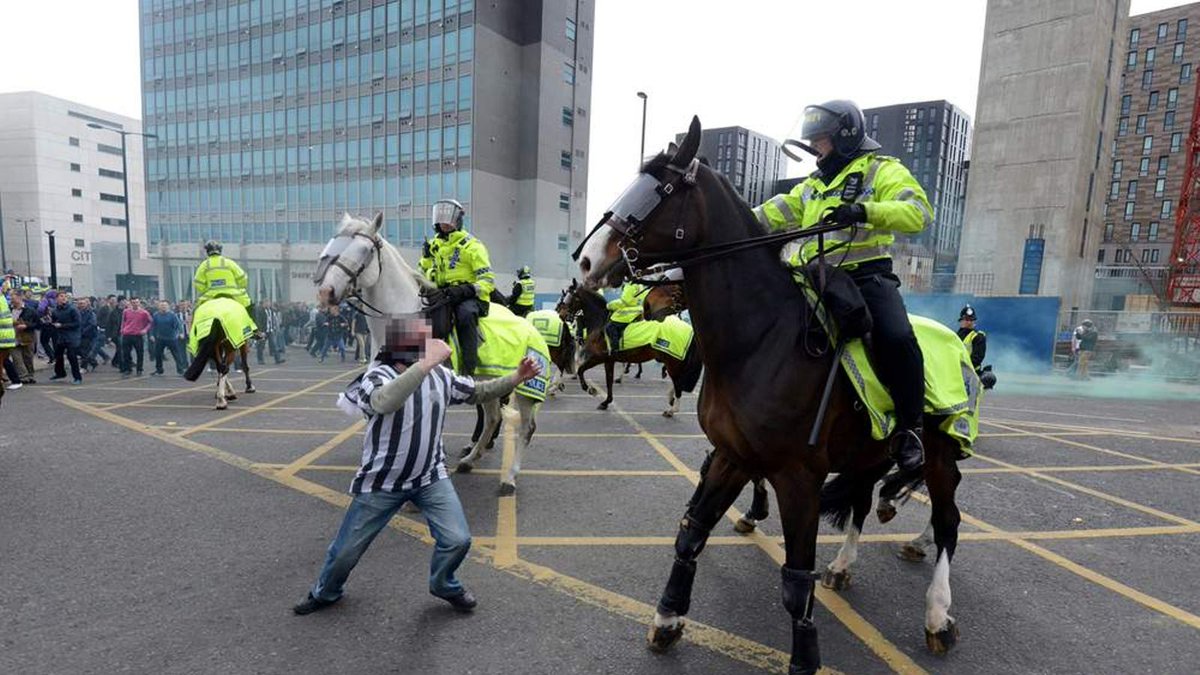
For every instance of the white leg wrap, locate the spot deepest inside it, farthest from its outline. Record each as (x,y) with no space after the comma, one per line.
(848,553)
(937,598)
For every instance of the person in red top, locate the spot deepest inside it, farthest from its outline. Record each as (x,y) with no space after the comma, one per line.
(135,323)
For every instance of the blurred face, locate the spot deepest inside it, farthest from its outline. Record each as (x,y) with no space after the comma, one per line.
(335,310)
(445,228)
(966,323)
(164,306)
(83,303)
(823,145)
(62,300)
(136,304)
(407,334)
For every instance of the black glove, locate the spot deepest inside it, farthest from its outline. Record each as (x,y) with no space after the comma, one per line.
(434,298)
(425,252)
(847,214)
(460,292)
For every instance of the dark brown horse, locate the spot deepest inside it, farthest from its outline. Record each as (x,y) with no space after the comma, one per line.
(217,349)
(763,387)
(593,350)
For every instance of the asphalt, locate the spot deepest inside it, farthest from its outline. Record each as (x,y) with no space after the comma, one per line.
(144,531)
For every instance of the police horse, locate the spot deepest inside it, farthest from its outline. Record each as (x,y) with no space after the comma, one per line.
(762,392)
(594,350)
(360,265)
(221,330)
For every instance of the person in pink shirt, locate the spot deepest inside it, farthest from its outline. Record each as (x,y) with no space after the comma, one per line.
(135,323)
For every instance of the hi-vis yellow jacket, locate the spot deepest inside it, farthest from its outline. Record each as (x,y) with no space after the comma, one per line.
(220,277)
(893,199)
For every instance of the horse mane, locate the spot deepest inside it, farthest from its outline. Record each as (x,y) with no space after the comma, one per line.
(595,307)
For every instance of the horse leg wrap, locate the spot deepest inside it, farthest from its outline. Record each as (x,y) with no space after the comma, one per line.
(798,588)
(677,597)
(700,485)
(760,507)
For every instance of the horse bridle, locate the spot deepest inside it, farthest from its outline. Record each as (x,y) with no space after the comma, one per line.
(332,257)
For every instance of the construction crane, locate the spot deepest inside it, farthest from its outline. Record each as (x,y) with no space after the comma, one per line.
(1183,275)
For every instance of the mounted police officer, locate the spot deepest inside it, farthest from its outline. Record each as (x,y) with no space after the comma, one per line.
(523,291)
(976,342)
(623,311)
(221,277)
(856,186)
(458,264)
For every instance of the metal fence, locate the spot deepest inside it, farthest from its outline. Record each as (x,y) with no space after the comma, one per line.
(1163,343)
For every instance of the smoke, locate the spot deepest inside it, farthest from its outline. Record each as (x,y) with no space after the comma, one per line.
(1147,377)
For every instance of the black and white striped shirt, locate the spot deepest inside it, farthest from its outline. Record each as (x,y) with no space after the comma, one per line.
(403,450)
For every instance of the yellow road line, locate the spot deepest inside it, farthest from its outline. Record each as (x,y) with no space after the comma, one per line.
(1074,469)
(319,451)
(497,472)
(1106,451)
(224,419)
(870,636)
(193,406)
(733,646)
(506,511)
(1109,583)
(1061,414)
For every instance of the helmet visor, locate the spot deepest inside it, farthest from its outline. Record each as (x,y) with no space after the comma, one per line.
(446,212)
(818,122)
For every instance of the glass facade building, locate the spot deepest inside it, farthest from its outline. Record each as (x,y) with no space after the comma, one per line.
(274,117)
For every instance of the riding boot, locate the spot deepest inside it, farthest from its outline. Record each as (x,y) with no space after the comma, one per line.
(908,450)
(466,319)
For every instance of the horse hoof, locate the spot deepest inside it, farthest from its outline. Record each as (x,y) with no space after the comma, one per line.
(562,386)
(463,467)
(885,512)
(222,406)
(661,638)
(944,640)
(668,413)
(602,406)
(836,581)
(250,390)
(231,397)
(507,489)
(592,391)
(911,553)
(744,526)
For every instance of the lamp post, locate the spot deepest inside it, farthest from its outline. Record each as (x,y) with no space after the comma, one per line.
(53,260)
(642,154)
(28,258)
(125,188)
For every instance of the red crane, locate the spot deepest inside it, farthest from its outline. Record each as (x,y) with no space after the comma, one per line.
(1183,275)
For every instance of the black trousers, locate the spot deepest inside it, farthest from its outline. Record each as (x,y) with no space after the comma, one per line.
(466,321)
(129,344)
(71,351)
(522,310)
(176,349)
(895,353)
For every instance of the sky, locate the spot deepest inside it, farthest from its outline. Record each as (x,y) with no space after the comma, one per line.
(752,63)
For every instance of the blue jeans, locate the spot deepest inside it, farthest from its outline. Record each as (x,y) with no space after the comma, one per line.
(331,342)
(369,513)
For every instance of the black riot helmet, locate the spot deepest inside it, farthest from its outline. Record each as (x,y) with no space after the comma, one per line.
(967,313)
(212,247)
(842,122)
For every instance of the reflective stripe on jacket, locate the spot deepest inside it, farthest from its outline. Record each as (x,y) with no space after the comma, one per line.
(628,307)
(528,286)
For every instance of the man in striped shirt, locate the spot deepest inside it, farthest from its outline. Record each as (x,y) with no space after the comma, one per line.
(404,395)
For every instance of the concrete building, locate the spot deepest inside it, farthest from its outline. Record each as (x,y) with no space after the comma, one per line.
(278,117)
(58,174)
(1149,154)
(751,161)
(933,139)
(1048,89)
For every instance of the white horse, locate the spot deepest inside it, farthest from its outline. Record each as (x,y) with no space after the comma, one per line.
(359,262)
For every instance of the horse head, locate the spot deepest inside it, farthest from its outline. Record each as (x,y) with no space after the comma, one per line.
(656,216)
(359,263)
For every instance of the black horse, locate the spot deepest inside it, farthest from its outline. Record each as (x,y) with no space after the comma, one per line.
(762,391)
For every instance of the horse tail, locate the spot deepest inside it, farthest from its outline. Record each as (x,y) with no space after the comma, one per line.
(206,350)
(839,495)
(689,375)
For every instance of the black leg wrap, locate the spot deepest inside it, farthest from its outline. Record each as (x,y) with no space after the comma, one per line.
(677,597)
(700,485)
(798,587)
(760,508)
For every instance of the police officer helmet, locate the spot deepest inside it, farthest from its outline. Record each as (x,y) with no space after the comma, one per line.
(842,122)
(212,246)
(448,211)
(967,313)
(1087,322)
(524,272)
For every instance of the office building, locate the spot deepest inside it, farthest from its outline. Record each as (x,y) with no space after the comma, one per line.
(1048,90)
(59,175)
(275,117)
(751,161)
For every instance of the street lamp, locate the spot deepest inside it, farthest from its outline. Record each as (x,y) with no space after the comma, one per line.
(53,282)
(125,188)
(642,154)
(28,258)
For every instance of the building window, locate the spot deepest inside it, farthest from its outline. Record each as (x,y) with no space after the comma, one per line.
(109,173)
(1176,141)
(1108,231)
(1131,60)
(1144,166)
(570,30)
(568,116)
(1135,231)
(1165,212)
(76,192)
(1129,210)
(1147,78)
(118,222)
(1100,256)
(1147,143)
(1118,165)
(1154,255)
(1162,31)
(110,149)
(1181,29)
(1145,255)
(105,197)
(1168,120)
(1162,165)
(1122,126)
(74,167)
(1177,53)
(77,217)
(1131,190)
(565,159)
(568,73)
(1114,189)
(1134,35)
(1185,73)
(1151,53)
(79,243)
(1152,235)
(1126,103)
(74,142)
(562,242)
(564,201)
(1153,102)
(1172,98)
(1160,184)
(1141,124)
